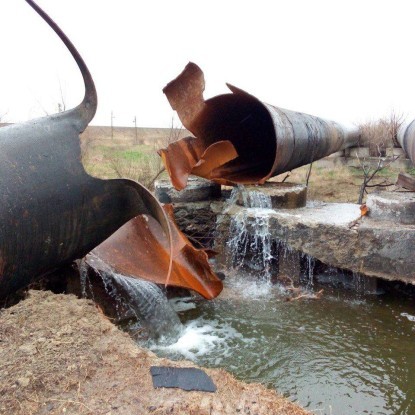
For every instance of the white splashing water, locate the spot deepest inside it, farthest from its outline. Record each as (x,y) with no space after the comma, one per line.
(408,316)
(199,338)
(144,299)
(250,246)
(256,199)
(86,285)
(309,271)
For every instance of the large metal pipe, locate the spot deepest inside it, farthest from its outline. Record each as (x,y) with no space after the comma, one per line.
(52,212)
(239,139)
(406,138)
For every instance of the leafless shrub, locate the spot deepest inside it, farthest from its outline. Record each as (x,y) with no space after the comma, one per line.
(381,134)
(370,172)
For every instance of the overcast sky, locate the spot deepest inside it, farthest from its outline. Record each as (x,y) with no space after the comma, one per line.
(344,60)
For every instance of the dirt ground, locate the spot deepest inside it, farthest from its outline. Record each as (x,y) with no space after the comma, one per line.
(61,355)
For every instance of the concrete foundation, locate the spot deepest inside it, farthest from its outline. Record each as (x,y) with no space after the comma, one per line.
(335,234)
(380,244)
(392,206)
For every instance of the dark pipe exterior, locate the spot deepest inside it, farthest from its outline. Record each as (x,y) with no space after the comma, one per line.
(51,210)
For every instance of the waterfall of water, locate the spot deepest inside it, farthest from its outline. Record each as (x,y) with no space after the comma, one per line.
(249,243)
(86,286)
(144,299)
(309,270)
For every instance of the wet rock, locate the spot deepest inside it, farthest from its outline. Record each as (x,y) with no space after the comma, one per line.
(186,378)
(197,190)
(197,220)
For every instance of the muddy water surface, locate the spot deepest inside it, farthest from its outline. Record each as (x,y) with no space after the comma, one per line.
(342,354)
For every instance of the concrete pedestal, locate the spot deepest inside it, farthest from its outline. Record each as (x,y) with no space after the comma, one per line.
(392,206)
(282,195)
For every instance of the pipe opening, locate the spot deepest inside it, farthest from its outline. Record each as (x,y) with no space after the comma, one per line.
(243,121)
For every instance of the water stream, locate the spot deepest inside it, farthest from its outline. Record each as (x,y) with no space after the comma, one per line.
(249,245)
(144,300)
(341,354)
(346,353)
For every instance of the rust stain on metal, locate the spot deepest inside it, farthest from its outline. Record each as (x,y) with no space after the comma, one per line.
(239,139)
(140,249)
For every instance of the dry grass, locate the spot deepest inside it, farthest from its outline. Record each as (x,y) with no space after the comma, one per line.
(109,159)
(122,158)
(381,134)
(337,184)
(61,355)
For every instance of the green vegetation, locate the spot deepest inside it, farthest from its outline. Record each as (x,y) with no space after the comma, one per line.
(411,171)
(114,159)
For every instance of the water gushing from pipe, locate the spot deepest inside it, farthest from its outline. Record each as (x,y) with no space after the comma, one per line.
(143,299)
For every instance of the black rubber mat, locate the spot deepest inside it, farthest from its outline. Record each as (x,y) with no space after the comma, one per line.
(186,378)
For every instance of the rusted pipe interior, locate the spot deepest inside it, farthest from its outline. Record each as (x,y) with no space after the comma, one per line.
(239,139)
(244,121)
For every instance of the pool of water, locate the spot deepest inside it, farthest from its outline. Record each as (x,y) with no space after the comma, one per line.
(341,354)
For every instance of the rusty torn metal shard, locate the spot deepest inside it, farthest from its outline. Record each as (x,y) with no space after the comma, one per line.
(51,210)
(406,138)
(140,249)
(239,139)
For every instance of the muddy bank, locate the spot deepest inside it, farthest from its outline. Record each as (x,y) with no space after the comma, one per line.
(60,355)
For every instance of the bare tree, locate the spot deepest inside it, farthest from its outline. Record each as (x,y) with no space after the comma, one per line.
(370,171)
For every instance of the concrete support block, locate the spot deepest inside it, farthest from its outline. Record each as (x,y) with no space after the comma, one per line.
(392,206)
(396,151)
(282,195)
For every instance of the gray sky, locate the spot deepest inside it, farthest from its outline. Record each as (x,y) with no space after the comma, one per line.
(344,60)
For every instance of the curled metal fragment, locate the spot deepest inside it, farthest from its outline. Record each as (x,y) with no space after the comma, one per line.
(239,139)
(140,248)
(51,210)
(406,138)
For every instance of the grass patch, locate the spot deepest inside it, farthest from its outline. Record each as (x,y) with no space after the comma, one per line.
(338,183)
(411,171)
(115,159)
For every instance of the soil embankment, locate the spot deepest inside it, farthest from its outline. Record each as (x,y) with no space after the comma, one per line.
(60,354)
